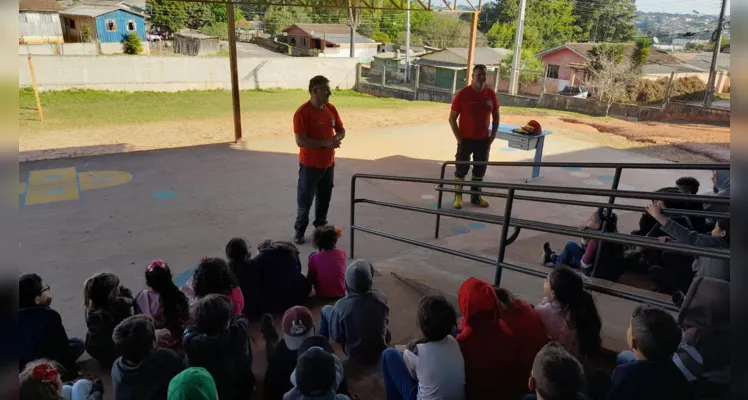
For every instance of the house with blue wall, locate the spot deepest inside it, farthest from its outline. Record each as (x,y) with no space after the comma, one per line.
(107,25)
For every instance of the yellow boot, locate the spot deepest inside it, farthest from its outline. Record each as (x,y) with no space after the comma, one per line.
(458,196)
(476,198)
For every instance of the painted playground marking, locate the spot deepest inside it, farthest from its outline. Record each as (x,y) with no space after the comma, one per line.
(579,174)
(166,194)
(428,196)
(62,184)
(593,182)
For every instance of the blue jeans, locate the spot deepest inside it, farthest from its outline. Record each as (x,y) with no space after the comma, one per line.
(324,321)
(398,383)
(77,391)
(313,182)
(625,357)
(571,255)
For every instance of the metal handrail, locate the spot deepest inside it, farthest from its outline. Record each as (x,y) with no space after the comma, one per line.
(506,221)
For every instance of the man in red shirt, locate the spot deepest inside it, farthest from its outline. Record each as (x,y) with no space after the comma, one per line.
(475,106)
(319,131)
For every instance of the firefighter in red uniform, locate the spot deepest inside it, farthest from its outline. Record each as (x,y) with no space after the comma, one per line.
(472,109)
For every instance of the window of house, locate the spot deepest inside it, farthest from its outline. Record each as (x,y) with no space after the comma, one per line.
(131,25)
(22,17)
(304,42)
(72,23)
(111,25)
(553,71)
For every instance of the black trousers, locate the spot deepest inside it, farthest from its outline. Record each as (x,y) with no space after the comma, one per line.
(478,149)
(314,186)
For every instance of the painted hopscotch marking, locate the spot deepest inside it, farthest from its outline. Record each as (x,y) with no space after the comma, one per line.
(63,184)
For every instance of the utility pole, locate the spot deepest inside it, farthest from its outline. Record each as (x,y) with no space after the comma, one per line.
(471,49)
(717,47)
(407,43)
(514,78)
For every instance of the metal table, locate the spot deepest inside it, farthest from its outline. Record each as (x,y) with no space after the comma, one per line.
(524,142)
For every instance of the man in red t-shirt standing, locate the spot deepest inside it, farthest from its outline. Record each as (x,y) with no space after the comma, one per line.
(475,106)
(319,131)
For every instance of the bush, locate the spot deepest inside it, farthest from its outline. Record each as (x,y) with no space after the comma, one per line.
(220,29)
(132,44)
(650,92)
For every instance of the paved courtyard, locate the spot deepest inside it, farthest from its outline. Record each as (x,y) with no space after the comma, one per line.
(118,212)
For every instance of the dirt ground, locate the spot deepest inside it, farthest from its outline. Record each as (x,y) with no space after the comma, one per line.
(678,142)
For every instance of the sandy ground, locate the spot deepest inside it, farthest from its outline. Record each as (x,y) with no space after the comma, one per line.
(672,141)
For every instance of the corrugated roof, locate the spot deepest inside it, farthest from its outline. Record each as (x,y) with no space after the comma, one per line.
(330,29)
(88,10)
(344,39)
(39,5)
(483,55)
(582,49)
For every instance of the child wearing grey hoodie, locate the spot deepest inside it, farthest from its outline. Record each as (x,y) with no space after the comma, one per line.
(358,321)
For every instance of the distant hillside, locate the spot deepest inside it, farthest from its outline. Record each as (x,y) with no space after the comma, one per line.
(668,26)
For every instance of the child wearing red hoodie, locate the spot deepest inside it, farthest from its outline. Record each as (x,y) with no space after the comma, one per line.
(487,344)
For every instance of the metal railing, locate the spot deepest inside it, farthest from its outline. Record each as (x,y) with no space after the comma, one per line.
(507,220)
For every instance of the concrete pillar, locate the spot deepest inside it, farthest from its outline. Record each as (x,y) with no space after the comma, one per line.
(384,71)
(418,80)
(358,76)
(454,81)
(666,97)
(496,78)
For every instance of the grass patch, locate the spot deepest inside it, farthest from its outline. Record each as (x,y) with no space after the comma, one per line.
(79,108)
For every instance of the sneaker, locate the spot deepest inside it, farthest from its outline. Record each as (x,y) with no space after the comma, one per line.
(267,327)
(547,254)
(299,239)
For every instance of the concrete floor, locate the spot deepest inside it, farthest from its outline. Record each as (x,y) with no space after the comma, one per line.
(184,204)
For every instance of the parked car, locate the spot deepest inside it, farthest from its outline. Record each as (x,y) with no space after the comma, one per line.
(579,92)
(153,37)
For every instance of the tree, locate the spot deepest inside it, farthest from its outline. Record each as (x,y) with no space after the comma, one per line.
(219,13)
(131,44)
(354,19)
(220,29)
(380,37)
(488,15)
(548,23)
(641,52)
(605,52)
(449,31)
(606,20)
(167,14)
(531,68)
(198,15)
(278,18)
(612,78)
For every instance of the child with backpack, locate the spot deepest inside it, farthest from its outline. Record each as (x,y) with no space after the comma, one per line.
(569,314)
(165,303)
(41,333)
(248,276)
(219,343)
(431,367)
(107,304)
(327,267)
(213,276)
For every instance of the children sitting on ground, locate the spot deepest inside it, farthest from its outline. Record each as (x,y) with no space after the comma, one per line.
(213,276)
(717,268)
(327,267)
(297,325)
(486,343)
(529,337)
(358,321)
(240,263)
(556,375)
(41,381)
(283,285)
(569,314)
(431,367)
(218,342)
(653,336)
(575,255)
(107,304)
(143,372)
(165,303)
(690,185)
(303,376)
(193,384)
(40,330)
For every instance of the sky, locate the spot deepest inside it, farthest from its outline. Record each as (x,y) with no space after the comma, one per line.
(682,6)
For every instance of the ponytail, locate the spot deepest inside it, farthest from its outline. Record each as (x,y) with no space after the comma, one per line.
(158,277)
(87,285)
(580,306)
(97,290)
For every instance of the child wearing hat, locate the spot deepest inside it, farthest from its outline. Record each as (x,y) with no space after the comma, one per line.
(282,355)
(218,342)
(193,384)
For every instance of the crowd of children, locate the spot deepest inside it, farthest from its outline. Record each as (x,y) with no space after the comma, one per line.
(193,343)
